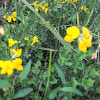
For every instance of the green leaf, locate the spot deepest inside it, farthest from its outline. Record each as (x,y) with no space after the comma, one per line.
(4,84)
(22,44)
(98,89)
(26,70)
(61,75)
(53,81)
(53,93)
(72,90)
(81,57)
(68,63)
(23,92)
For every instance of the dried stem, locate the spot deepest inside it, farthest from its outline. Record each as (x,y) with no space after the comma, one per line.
(77,13)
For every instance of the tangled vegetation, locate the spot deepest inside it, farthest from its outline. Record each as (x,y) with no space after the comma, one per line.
(50,50)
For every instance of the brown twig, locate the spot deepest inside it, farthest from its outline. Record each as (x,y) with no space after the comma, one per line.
(39,89)
(77,13)
(48,49)
(5,6)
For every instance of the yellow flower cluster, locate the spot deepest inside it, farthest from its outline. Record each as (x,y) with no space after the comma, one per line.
(74,1)
(35,39)
(64,1)
(72,33)
(17,52)
(45,6)
(10,18)
(86,10)
(11,42)
(39,7)
(9,66)
(61,3)
(85,38)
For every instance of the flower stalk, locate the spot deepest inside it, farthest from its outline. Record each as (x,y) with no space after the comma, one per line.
(49,74)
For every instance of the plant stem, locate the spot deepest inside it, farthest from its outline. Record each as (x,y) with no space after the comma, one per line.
(49,74)
(89,18)
(77,13)
(16,34)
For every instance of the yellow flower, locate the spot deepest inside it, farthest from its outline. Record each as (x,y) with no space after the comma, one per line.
(75,1)
(9,19)
(17,64)
(48,22)
(36,5)
(17,53)
(3,71)
(32,42)
(6,12)
(14,19)
(35,39)
(85,40)
(11,42)
(63,16)
(68,38)
(86,43)
(85,9)
(9,64)
(14,13)
(13,16)
(4,16)
(73,31)
(82,7)
(46,4)
(10,71)
(82,47)
(86,32)
(46,11)
(7,67)
(26,38)
(43,7)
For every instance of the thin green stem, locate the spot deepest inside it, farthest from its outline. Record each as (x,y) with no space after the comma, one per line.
(49,74)
(77,13)
(16,21)
(89,18)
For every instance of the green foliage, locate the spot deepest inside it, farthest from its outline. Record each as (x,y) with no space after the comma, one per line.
(26,70)
(71,90)
(4,84)
(23,92)
(73,75)
(61,75)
